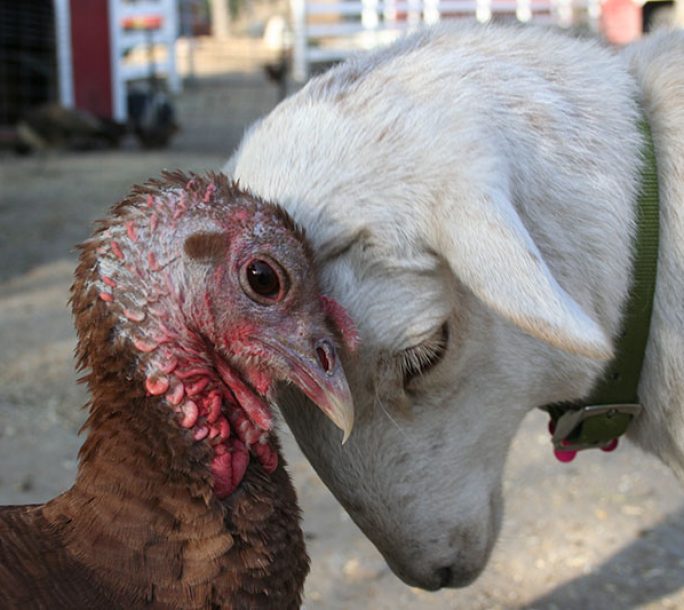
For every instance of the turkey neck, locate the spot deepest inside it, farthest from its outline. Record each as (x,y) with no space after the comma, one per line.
(142,509)
(143,517)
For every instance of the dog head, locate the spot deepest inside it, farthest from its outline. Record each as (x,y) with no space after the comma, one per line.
(465,325)
(459,339)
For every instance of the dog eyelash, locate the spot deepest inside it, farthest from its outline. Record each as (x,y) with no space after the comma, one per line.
(417,360)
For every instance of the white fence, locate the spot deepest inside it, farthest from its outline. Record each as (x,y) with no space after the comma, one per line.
(331,31)
(130,56)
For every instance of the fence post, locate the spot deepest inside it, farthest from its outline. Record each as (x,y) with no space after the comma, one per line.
(119,106)
(300,61)
(172,30)
(65,74)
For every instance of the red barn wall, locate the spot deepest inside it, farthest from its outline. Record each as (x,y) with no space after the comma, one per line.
(91,55)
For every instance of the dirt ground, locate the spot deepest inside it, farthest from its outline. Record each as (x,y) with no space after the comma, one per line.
(603,533)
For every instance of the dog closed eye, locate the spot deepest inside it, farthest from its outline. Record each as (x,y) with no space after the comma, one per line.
(418,360)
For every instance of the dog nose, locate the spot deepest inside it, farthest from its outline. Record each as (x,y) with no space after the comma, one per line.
(443,576)
(455,576)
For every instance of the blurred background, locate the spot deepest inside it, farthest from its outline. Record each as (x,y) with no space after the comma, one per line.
(96,95)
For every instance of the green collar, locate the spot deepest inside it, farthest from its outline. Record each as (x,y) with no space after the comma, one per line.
(599,420)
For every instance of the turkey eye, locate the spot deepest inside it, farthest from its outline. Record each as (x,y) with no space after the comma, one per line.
(262,282)
(263,279)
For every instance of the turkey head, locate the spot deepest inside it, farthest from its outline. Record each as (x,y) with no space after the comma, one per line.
(213,291)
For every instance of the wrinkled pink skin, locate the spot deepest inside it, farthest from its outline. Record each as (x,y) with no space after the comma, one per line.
(342,321)
(186,345)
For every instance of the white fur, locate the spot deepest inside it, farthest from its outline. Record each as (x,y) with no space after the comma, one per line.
(484,177)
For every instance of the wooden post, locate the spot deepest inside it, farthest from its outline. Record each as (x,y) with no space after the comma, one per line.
(220,19)
(300,63)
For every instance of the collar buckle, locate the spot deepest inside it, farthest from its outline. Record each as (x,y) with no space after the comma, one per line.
(592,426)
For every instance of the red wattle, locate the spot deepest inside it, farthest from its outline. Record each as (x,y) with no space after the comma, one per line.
(343,321)
(221,470)
(255,408)
(240,461)
(267,457)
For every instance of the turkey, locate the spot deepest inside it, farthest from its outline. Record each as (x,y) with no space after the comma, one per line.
(192,302)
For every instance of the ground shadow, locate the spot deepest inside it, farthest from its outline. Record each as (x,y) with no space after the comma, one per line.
(648,569)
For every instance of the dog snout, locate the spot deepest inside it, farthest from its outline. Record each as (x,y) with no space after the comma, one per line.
(453,575)
(456,576)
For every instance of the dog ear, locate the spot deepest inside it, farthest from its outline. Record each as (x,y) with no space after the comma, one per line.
(489,249)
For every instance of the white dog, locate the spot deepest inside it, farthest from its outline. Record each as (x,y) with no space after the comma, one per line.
(470,195)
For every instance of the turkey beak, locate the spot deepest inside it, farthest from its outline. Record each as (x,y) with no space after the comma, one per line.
(318,373)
